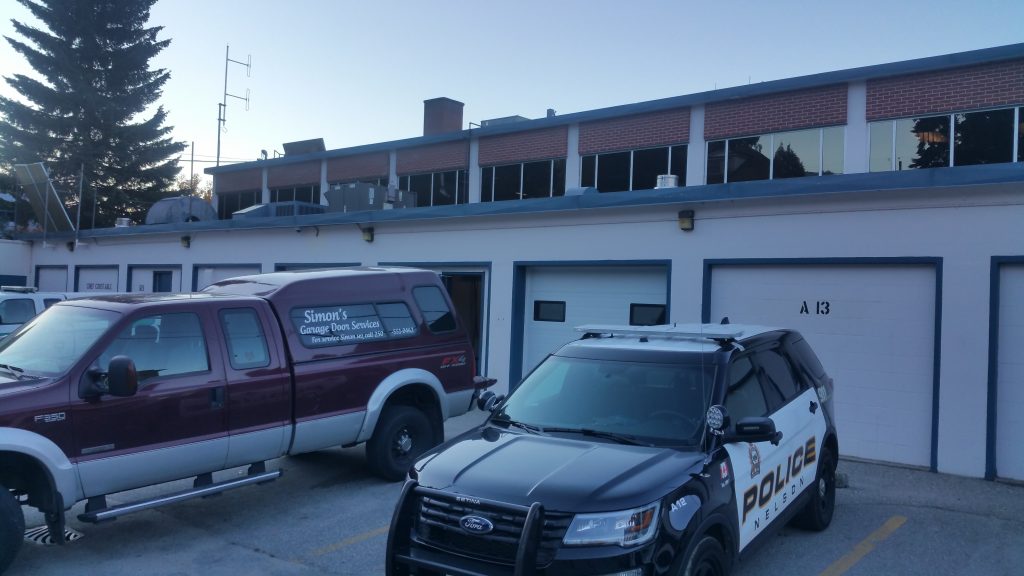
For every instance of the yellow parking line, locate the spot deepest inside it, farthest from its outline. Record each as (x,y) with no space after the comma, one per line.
(865,546)
(350,541)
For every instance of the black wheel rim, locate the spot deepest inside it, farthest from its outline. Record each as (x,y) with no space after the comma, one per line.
(707,567)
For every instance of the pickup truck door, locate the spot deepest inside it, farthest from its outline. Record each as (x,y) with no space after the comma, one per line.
(175,426)
(258,395)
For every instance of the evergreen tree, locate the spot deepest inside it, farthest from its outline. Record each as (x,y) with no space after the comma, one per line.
(90,106)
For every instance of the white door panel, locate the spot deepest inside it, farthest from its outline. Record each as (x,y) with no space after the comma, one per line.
(591,295)
(873,327)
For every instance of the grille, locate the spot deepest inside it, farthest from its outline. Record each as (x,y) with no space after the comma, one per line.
(437,525)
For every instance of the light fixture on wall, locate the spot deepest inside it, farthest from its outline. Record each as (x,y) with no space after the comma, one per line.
(686,220)
(367,232)
(186,241)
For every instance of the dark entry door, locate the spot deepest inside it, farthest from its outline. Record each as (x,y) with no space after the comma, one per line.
(466,291)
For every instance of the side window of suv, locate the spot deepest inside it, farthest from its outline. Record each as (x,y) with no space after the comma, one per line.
(17,310)
(780,386)
(744,397)
(435,309)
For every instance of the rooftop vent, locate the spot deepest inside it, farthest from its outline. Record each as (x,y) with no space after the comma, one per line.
(505,120)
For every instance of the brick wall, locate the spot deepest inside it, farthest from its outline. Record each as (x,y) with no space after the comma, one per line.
(302,174)
(374,165)
(809,108)
(637,131)
(984,86)
(524,146)
(239,181)
(447,156)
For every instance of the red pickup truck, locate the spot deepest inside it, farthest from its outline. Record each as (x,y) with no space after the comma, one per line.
(112,393)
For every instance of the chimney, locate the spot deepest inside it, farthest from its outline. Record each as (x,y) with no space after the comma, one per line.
(441,115)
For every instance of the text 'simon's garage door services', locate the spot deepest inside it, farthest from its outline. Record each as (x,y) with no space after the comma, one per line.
(873,326)
(558,299)
(1010,366)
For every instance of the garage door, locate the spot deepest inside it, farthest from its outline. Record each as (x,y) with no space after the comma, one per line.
(1010,395)
(559,299)
(206,275)
(98,279)
(873,328)
(52,279)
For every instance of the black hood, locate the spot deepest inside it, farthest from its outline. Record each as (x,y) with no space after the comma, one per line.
(563,474)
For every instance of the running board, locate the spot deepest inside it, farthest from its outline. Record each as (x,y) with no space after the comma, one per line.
(96,516)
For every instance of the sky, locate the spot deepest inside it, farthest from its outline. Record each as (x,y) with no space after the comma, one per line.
(357,73)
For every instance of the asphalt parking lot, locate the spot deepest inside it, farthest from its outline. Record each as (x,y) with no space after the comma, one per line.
(328,515)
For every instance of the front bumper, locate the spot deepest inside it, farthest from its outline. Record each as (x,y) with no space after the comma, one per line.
(535,550)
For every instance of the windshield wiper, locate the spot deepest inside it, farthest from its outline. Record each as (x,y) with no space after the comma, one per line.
(522,425)
(620,438)
(13,370)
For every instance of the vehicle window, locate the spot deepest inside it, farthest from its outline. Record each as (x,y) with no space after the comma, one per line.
(47,302)
(744,397)
(779,383)
(397,319)
(663,402)
(806,357)
(161,345)
(247,345)
(435,308)
(52,342)
(16,310)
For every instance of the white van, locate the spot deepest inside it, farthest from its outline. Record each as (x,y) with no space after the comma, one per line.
(19,304)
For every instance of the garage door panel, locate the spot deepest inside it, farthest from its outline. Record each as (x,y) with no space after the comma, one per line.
(1010,370)
(873,328)
(592,294)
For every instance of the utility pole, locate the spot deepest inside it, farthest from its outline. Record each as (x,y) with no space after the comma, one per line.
(222,107)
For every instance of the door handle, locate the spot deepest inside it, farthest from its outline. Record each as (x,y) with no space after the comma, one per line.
(217,397)
(813,407)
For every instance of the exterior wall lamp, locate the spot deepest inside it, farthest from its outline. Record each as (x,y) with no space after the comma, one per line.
(186,241)
(367,232)
(686,220)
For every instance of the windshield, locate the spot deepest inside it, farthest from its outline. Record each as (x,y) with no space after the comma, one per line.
(51,342)
(659,403)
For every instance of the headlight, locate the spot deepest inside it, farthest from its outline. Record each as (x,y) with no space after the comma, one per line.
(625,528)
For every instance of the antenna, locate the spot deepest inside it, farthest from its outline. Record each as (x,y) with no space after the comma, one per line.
(222,108)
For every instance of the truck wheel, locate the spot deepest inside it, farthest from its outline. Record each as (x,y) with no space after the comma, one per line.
(402,434)
(707,559)
(817,514)
(12,528)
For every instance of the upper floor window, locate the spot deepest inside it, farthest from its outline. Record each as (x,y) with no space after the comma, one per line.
(814,152)
(632,169)
(959,139)
(437,188)
(540,179)
(309,194)
(230,202)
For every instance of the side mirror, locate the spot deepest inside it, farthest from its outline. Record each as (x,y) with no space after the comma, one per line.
(122,378)
(755,429)
(488,401)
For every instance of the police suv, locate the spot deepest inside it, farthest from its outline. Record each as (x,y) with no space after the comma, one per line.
(633,451)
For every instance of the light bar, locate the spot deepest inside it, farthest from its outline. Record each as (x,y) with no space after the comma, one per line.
(698,331)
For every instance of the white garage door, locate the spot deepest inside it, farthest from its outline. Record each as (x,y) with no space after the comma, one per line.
(206,275)
(873,327)
(52,279)
(97,279)
(1010,398)
(559,299)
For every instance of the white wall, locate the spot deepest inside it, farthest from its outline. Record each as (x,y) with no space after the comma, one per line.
(15,259)
(964,227)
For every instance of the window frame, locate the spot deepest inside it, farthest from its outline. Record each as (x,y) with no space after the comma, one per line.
(595,158)
(771,158)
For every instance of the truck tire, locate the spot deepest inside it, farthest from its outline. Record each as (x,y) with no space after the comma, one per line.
(817,514)
(707,559)
(12,528)
(401,435)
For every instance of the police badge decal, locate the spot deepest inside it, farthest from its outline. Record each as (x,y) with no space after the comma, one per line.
(755,460)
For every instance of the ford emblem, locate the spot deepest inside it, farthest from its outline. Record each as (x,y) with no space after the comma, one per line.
(476,524)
